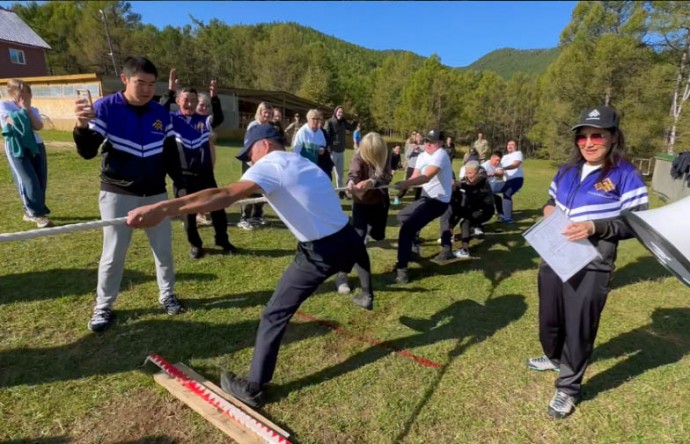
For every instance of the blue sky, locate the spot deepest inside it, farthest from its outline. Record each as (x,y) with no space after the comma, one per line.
(459,32)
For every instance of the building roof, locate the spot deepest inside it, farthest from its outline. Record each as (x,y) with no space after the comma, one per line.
(13,29)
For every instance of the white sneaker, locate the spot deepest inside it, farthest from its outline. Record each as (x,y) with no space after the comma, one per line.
(478,231)
(341,283)
(561,405)
(542,363)
(27,218)
(203,221)
(245,225)
(462,253)
(43,222)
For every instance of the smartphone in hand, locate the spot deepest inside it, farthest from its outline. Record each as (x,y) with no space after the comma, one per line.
(85,96)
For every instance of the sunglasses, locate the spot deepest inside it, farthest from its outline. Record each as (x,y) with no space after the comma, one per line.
(596,139)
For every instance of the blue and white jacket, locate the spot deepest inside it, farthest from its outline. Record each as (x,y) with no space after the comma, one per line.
(138,146)
(192,137)
(600,199)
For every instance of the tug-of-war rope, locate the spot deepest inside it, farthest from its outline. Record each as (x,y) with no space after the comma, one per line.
(84,226)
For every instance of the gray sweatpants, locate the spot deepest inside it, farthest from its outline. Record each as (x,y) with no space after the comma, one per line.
(116,241)
(339,167)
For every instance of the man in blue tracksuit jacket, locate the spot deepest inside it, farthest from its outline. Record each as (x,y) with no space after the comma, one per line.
(138,148)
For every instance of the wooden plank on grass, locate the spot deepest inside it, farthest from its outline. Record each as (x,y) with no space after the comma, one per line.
(234,401)
(225,424)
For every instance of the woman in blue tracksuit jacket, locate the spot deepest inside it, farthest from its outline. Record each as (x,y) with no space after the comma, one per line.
(591,189)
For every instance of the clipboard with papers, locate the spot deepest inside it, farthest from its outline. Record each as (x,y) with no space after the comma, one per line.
(566,258)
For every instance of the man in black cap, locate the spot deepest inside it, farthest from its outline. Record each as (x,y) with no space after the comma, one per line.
(301,195)
(434,172)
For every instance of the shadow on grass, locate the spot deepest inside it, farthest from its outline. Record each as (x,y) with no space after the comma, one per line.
(124,348)
(664,341)
(643,269)
(58,282)
(461,320)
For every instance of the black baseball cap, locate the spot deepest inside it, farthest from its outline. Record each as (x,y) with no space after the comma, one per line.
(256,133)
(434,135)
(600,117)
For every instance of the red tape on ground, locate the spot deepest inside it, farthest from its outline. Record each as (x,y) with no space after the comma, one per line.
(404,353)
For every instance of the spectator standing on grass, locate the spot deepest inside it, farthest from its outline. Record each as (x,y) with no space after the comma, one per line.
(193,132)
(413,148)
(310,142)
(138,148)
(25,151)
(482,146)
(591,189)
(303,198)
(292,128)
(252,215)
(335,128)
(396,164)
(357,136)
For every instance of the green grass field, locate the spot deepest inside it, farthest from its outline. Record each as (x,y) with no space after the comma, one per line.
(60,383)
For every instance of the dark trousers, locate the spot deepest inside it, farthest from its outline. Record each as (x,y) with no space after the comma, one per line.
(30,173)
(412,219)
(219,218)
(417,191)
(371,220)
(569,315)
(498,202)
(314,262)
(254,210)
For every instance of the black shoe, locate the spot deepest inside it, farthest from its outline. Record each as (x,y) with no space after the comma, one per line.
(196,253)
(364,300)
(342,195)
(172,305)
(445,255)
(101,319)
(247,392)
(227,247)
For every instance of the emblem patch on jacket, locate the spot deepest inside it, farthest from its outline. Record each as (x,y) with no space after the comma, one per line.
(605,185)
(158,125)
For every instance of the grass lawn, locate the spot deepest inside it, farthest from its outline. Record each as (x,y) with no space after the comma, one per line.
(477,319)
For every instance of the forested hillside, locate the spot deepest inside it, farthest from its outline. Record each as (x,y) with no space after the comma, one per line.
(508,61)
(630,55)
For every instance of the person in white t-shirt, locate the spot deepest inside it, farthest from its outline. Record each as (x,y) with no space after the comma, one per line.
(434,172)
(302,196)
(511,163)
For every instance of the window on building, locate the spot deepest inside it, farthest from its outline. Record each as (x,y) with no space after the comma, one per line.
(17,56)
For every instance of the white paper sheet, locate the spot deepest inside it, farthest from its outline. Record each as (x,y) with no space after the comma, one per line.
(565,257)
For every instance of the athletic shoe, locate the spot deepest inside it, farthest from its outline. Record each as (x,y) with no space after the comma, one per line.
(542,363)
(172,305)
(227,247)
(341,283)
(248,392)
(101,319)
(445,255)
(396,201)
(499,218)
(27,218)
(462,253)
(401,276)
(43,222)
(257,221)
(508,221)
(364,300)
(196,253)
(203,221)
(245,225)
(561,405)
(478,231)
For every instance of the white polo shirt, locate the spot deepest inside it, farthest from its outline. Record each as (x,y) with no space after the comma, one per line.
(300,193)
(441,185)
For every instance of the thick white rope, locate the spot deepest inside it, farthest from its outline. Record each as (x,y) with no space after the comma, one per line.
(73,228)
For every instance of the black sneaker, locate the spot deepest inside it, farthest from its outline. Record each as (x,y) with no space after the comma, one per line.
(227,247)
(248,392)
(445,255)
(364,300)
(172,306)
(196,253)
(101,319)
(401,276)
